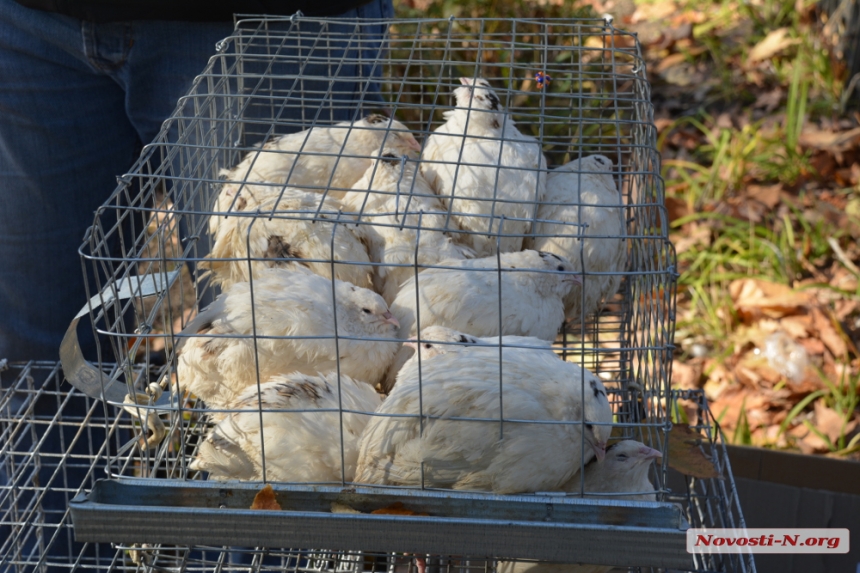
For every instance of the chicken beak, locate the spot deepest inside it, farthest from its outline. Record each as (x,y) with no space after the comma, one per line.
(575,279)
(390,318)
(599,450)
(647,453)
(466,81)
(413,144)
(412,343)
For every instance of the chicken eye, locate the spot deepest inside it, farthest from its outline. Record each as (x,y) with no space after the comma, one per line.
(589,426)
(428,345)
(559,268)
(365,310)
(621,456)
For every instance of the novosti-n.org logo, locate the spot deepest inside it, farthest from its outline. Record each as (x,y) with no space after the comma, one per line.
(768,541)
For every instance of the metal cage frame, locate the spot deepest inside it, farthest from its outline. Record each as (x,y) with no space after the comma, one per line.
(141,255)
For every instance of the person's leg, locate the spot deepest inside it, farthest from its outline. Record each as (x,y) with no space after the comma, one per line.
(76,102)
(63,139)
(64,136)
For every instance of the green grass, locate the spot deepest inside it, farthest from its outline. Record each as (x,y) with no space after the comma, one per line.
(783,245)
(721,168)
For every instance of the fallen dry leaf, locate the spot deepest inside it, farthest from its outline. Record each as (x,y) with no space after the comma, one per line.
(687,375)
(766,374)
(337,507)
(812,345)
(724,120)
(828,333)
(797,326)
(769,101)
(693,234)
(846,280)
(396,508)
(662,123)
(750,210)
(768,195)
(669,61)
(754,333)
(691,16)
(676,208)
(829,140)
(756,298)
(686,455)
(748,376)
(809,442)
(737,400)
(829,423)
(845,308)
(773,43)
(265,499)
(653,12)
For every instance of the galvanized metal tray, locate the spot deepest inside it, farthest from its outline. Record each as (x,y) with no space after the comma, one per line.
(546,527)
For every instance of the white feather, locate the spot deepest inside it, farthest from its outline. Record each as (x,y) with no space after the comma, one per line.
(583,192)
(463,298)
(288,232)
(470,454)
(625,469)
(322,159)
(298,446)
(483,168)
(403,221)
(223,360)
(436,340)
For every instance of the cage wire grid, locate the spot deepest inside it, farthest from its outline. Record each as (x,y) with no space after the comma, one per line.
(54,449)
(144,256)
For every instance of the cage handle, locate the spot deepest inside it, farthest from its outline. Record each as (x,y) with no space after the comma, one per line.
(81,373)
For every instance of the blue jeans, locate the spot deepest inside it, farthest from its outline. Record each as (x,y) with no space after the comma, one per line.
(78,101)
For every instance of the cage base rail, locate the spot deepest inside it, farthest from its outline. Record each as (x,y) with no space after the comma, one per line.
(549,528)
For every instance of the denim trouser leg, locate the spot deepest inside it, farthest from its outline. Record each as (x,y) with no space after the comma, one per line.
(77,103)
(63,138)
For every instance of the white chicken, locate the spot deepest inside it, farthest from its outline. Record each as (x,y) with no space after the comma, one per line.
(466,298)
(289,328)
(484,169)
(624,469)
(583,192)
(322,159)
(298,446)
(436,340)
(402,220)
(289,232)
(536,385)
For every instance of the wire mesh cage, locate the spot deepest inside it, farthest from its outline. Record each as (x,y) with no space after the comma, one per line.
(312,150)
(55,444)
